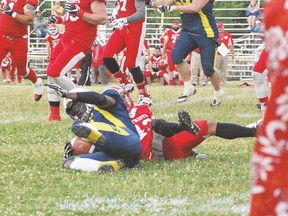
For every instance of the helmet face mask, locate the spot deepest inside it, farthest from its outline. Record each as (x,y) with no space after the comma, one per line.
(75,109)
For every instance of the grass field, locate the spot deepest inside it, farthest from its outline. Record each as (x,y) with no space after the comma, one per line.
(32,181)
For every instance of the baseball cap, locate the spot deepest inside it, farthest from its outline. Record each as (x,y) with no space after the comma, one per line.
(220,25)
(175,21)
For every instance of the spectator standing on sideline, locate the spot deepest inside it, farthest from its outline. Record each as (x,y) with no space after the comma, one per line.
(197,74)
(85,67)
(15,18)
(252,13)
(81,17)
(58,10)
(227,44)
(40,25)
(98,66)
(130,30)
(269,192)
(170,39)
(199,29)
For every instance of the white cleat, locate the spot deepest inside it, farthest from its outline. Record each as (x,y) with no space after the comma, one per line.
(188,91)
(38,89)
(218,97)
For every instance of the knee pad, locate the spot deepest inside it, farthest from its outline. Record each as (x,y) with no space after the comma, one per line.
(137,74)
(111,64)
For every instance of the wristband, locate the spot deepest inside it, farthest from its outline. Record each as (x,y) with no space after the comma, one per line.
(80,13)
(14,15)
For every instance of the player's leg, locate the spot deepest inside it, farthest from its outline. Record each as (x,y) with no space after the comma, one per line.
(60,63)
(19,52)
(208,59)
(115,141)
(114,46)
(134,47)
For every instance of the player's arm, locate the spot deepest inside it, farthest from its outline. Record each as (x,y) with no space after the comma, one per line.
(140,12)
(98,15)
(28,16)
(166,38)
(157,3)
(48,49)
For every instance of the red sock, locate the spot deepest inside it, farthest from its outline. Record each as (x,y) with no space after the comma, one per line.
(31,76)
(263,100)
(181,83)
(171,83)
(54,111)
(142,89)
(122,77)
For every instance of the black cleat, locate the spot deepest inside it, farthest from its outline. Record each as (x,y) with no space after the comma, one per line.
(186,122)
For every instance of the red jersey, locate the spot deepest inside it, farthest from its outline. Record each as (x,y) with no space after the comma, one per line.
(226,39)
(156,146)
(77,29)
(172,38)
(10,26)
(97,57)
(127,8)
(53,40)
(155,62)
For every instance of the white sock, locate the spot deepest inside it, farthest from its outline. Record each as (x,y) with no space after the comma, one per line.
(85,164)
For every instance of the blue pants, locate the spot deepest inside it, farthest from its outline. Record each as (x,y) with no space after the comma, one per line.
(187,42)
(122,143)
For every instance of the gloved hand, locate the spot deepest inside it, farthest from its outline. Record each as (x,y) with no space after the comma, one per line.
(73,9)
(7,10)
(57,89)
(162,9)
(68,151)
(111,18)
(119,23)
(52,19)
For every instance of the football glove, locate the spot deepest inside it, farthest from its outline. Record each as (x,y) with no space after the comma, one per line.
(7,10)
(52,19)
(68,151)
(57,89)
(73,9)
(119,23)
(162,9)
(111,18)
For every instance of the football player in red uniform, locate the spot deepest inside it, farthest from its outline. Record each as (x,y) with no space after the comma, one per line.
(15,17)
(53,38)
(81,22)
(170,39)
(8,69)
(170,141)
(270,158)
(129,33)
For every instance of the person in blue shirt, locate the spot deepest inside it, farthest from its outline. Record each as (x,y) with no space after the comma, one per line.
(102,119)
(253,14)
(199,30)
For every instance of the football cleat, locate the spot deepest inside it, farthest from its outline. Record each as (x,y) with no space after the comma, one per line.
(256,124)
(218,96)
(188,91)
(38,89)
(110,166)
(54,118)
(198,155)
(89,132)
(145,100)
(129,87)
(186,123)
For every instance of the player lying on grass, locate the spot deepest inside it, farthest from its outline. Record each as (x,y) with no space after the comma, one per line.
(110,129)
(170,140)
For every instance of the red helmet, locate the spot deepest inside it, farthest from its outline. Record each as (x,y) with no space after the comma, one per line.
(162,65)
(125,95)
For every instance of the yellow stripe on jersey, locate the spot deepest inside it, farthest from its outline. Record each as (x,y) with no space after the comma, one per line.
(110,128)
(215,57)
(206,24)
(110,117)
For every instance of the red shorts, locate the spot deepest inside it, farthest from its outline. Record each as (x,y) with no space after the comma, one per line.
(181,144)
(130,37)
(65,56)
(171,66)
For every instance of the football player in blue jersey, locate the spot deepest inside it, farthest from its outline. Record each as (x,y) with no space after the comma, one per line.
(102,119)
(199,30)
